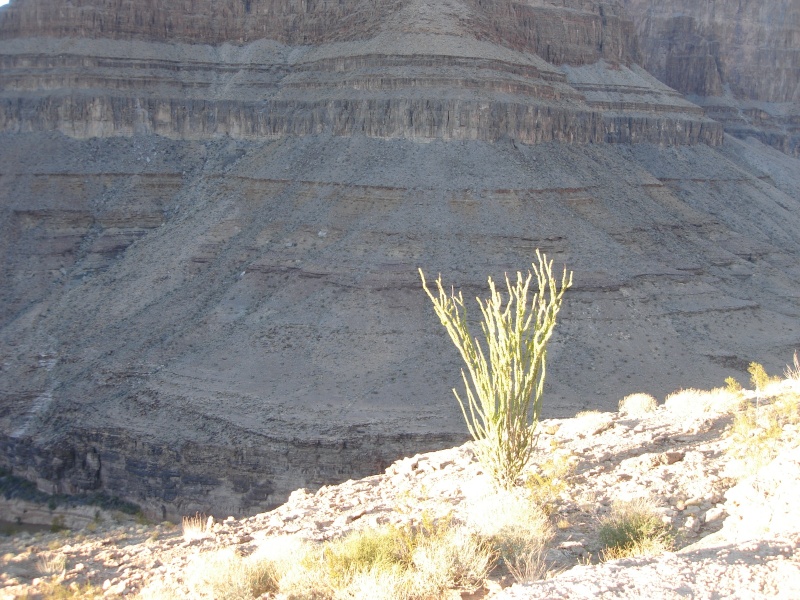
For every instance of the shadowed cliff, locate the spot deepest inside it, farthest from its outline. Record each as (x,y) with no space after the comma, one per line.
(212,220)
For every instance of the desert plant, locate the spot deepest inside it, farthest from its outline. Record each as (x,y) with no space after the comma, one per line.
(504,391)
(792,372)
(516,528)
(550,479)
(61,591)
(52,565)
(634,529)
(196,527)
(412,561)
(637,405)
(732,386)
(757,431)
(759,377)
(224,575)
(697,403)
(362,551)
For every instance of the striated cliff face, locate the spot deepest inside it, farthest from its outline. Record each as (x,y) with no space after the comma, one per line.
(459,70)
(212,213)
(739,60)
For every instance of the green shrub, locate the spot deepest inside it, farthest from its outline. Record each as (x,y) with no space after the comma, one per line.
(507,372)
(419,561)
(759,377)
(634,529)
(732,386)
(757,432)
(549,480)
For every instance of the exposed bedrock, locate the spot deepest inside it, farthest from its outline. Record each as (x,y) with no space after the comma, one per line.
(462,70)
(207,325)
(212,215)
(739,60)
(560,31)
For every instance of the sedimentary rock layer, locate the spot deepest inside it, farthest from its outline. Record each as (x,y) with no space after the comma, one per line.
(207,325)
(213,214)
(413,70)
(739,60)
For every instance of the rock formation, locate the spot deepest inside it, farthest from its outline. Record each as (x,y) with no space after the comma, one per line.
(737,534)
(213,214)
(739,60)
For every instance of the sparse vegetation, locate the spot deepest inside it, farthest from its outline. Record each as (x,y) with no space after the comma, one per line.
(759,377)
(695,403)
(732,386)
(792,372)
(59,591)
(549,480)
(196,527)
(518,530)
(51,565)
(637,405)
(634,529)
(224,575)
(57,524)
(419,561)
(757,432)
(410,562)
(506,379)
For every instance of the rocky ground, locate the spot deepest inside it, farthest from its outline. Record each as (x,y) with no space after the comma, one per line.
(737,523)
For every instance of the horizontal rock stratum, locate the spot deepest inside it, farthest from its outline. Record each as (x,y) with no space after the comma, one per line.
(211,222)
(412,70)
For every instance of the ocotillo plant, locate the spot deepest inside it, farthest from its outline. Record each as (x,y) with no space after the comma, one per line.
(504,390)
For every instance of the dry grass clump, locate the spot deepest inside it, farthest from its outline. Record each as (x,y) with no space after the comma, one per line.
(517,528)
(550,479)
(60,591)
(413,562)
(224,575)
(692,402)
(196,527)
(792,372)
(52,565)
(634,529)
(637,405)
(410,562)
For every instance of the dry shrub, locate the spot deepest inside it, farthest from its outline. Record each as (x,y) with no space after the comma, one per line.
(587,413)
(634,529)
(637,405)
(757,433)
(792,372)
(51,565)
(196,527)
(61,591)
(691,402)
(759,378)
(550,479)
(420,561)
(398,563)
(158,590)
(224,575)
(458,560)
(517,528)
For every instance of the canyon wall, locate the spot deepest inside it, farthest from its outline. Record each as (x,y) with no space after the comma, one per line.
(212,215)
(739,60)
(459,70)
